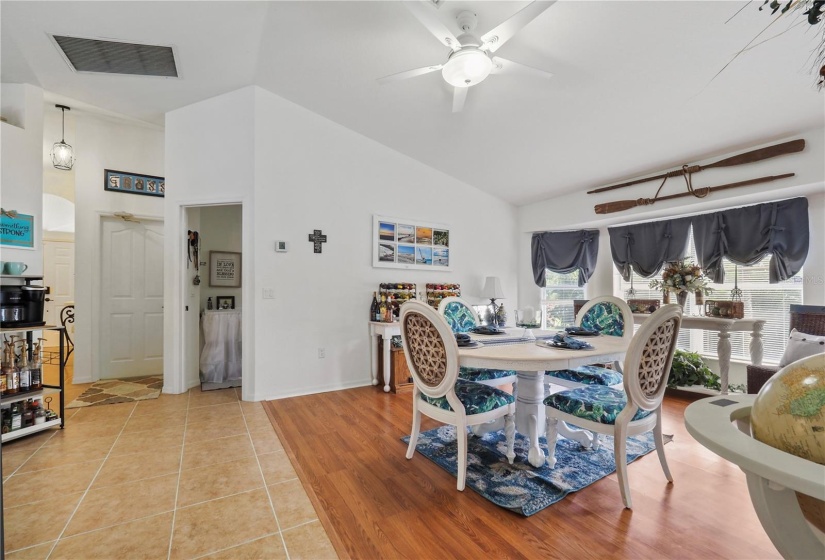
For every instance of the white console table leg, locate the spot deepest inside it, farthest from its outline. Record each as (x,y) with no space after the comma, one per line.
(756,347)
(723,352)
(387,343)
(374,357)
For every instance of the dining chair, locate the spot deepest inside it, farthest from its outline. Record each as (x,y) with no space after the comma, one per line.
(432,356)
(609,316)
(634,411)
(462,318)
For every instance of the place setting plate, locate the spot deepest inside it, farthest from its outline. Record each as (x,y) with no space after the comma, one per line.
(471,345)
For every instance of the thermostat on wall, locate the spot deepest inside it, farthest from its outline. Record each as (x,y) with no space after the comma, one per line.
(280,247)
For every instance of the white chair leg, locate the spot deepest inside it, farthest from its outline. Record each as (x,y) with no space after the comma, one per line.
(461,436)
(596,441)
(416,426)
(620,453)
(510,436)
(660,445)
(551,433)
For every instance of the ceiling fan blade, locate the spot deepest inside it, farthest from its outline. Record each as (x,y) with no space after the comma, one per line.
(505,66)
(459,96)
(408,74)
(504,31)
(423,12)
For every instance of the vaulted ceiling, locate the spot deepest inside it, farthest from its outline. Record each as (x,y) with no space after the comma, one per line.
(633,88)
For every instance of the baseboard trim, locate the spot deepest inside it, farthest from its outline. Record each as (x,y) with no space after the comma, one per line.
(314,390)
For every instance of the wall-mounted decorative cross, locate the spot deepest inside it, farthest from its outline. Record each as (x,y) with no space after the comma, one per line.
(316,237)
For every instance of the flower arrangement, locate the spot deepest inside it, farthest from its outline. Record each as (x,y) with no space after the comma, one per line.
(682,276)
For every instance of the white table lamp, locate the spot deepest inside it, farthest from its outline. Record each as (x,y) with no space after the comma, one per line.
(492,289)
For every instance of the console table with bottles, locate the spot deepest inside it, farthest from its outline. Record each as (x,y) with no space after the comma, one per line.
(723,328)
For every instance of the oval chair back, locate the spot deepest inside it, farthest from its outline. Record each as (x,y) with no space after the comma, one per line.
(609,315)
(459,314)
(648,359)
(430,349)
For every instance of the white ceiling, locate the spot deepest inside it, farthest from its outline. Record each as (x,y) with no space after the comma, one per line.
(631,92)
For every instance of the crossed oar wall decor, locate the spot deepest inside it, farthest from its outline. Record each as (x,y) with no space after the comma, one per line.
(687,172)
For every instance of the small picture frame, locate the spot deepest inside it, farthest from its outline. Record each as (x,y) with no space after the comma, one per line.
(224,269)
(225,302)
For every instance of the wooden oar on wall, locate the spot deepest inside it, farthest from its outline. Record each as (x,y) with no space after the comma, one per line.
(753,156)
(620,205)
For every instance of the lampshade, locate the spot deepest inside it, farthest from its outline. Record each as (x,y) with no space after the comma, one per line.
(492,288)
(467,67)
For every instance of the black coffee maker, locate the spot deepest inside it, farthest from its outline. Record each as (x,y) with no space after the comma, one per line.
(22,306)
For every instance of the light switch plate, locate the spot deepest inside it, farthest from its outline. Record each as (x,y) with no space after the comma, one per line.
(281,247)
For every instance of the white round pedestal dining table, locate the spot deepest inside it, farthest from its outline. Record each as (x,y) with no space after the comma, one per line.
(530,361)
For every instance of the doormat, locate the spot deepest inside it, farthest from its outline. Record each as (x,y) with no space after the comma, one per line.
(521,487)
(112,391)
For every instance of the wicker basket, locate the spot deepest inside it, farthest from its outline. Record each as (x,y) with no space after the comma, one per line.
(725,309)
(643,305)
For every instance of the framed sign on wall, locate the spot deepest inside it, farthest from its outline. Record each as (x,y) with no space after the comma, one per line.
(410,244)
(133,183)
(17,230)
(224,269)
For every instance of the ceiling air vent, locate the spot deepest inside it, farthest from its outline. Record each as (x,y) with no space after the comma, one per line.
(114,57)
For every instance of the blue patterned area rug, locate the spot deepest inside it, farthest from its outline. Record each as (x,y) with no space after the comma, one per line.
(520,487)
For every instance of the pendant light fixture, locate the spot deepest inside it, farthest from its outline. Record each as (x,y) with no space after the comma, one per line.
(62,153)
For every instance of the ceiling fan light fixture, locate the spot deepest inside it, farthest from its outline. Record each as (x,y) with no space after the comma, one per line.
(467,67)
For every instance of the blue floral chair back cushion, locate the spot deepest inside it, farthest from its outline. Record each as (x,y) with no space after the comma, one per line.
(459,317)
(604,317)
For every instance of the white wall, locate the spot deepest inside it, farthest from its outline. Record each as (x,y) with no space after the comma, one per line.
(21,175)
(105,143)
(220,230)
(310,173)
(209,153)
(575,210)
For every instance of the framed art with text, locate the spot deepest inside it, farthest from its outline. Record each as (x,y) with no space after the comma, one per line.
(133,183)
(224,269)
(17,230)
(410,244)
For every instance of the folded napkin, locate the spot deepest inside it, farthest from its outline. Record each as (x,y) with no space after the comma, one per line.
(462,338)
(580,331)
(487,330)
(562,339)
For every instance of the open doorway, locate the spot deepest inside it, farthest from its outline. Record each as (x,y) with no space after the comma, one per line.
(213,282)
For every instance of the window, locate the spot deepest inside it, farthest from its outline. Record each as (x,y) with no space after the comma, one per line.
(557,298)
(762,301)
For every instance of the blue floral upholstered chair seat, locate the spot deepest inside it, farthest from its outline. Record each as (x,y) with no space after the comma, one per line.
(589,375)
(431,351)
(475,397)
(623,414)
(608,316)
(595,403)
(462,318)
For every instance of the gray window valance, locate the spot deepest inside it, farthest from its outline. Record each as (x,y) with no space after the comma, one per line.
(646,247)
(563,252)
(745,235)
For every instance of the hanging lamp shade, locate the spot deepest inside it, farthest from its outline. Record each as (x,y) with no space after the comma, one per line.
(63,153)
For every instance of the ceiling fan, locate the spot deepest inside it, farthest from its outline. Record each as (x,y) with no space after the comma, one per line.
(471,58)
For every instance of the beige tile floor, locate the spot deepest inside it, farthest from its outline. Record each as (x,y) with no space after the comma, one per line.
(198,475)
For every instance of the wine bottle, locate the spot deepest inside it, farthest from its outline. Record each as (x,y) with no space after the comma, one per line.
(382,308)
(374,316)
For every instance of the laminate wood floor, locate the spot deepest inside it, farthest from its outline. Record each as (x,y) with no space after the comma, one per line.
(375,503)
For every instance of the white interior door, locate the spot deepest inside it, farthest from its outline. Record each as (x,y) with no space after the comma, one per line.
(131,328)
(58,275)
